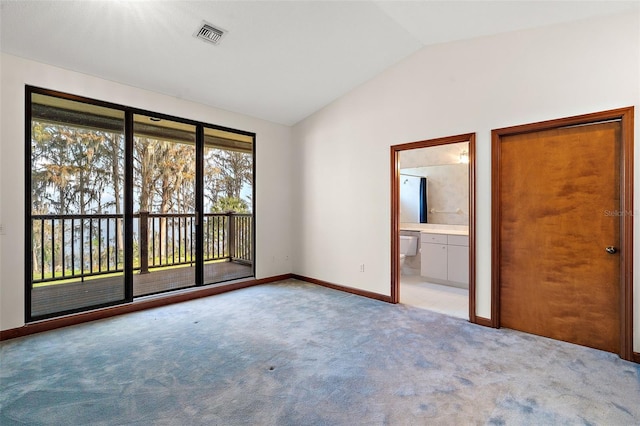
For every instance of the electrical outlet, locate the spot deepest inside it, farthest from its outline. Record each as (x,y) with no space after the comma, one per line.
(362,268)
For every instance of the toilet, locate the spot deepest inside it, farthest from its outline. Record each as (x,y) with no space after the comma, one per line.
(408,247)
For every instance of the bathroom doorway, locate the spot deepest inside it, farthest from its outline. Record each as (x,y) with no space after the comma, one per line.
(433,225)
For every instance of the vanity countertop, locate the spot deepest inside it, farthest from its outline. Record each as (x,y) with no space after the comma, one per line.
(444,231)
(435,228)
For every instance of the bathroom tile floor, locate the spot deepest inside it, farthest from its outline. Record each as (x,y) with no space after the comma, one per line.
(453,301)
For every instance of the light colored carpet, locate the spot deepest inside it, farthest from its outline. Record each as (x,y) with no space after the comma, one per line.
(293,353)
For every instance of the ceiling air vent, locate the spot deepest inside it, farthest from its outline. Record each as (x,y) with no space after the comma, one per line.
(208,32)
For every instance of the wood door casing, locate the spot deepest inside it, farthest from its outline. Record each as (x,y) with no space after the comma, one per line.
(559,198)
(395,151)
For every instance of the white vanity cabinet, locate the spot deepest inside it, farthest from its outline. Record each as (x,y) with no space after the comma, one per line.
(445,258)
(458,259)
(433,256)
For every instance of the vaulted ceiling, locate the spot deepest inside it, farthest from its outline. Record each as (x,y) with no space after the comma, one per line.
(279,60)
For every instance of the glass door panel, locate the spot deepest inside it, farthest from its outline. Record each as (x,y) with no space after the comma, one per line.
(228,206)
(164,217)
(77,197)
(118,212)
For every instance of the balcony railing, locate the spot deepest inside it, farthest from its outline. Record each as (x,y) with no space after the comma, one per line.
(78,246)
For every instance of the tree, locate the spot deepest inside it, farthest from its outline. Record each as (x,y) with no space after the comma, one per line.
(74,171)
(233,171)
(231,204)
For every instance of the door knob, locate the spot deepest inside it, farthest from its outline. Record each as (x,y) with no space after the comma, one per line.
(611,250)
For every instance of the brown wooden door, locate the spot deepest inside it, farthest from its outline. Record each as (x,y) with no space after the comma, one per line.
(559,211)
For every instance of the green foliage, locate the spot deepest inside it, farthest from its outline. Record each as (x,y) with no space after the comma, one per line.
(72,168)
(80,170)
(227,204)
(225,174)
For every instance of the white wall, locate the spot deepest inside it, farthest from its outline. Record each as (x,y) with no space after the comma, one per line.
(273,174)
(342,190)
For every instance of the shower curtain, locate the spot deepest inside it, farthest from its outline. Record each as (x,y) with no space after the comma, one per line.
(423,200)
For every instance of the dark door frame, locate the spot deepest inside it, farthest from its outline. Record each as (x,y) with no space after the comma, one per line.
(625,115)
(395,212)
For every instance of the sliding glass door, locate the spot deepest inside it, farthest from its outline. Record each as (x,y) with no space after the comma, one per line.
(227,205)
(164,182)
(123,203)
(76,204)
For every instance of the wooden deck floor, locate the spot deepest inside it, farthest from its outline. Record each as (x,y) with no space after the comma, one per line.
(64,297)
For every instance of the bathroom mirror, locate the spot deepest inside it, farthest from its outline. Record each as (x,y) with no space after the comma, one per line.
(447,184)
